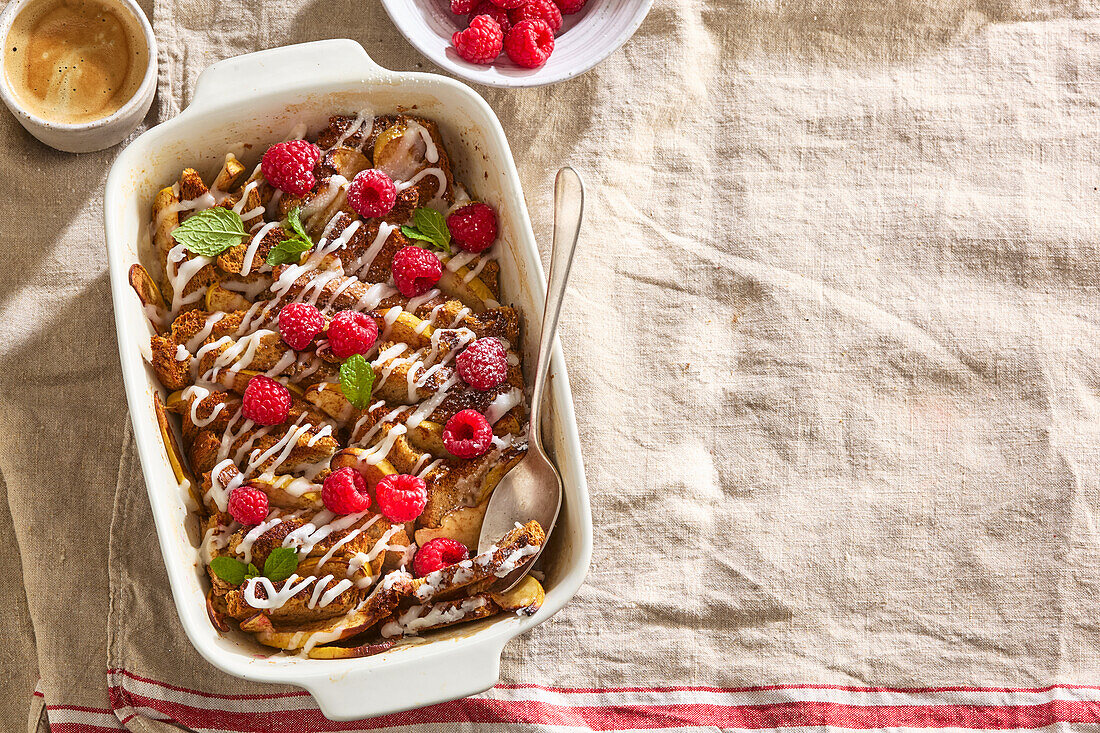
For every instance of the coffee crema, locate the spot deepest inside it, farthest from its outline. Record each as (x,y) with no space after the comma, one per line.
(74,61)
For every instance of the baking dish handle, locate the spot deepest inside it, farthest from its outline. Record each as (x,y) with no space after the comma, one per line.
(405,684)
(303,64)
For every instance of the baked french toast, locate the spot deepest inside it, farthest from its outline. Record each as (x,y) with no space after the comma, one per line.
(347,387)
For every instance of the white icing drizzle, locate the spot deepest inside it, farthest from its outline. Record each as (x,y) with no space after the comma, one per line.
(428,406)
(462,313)
(365,260)
(197,394)
(218,492)
(275,599)
(286,444)
(199,203)
(380,451)
(239,206)
(361,119)
(477,269)
(346,539)
(299,486)
(306,537)
(431,152)
(428,469)
(348,282)
(241,353)
(375,294)
(287,360)
(205,349)
(377,426)
(249,290)
(502,403)
(203,333)
(180,272)
(424,458)
(326,194)
(245,547)
(411,621)
(420,300)
(363,559)
(389,353)
(325,431)
(254,247)
(460,260)
(317,590)
(513,559)
(215,538)
(437,172)
(388,319)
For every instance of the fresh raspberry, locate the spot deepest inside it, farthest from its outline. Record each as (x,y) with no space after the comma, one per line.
(483,364)
(345,492)
(461,7)
(500,15)
(529,43)
(481,42)
(289,166)
(299,323)
(508,4)
(437,554)
(265,401)
(538,10)
(248,505)
(371,193)
(401,497)
(468,434)
(350,333)
(415,270)
(474,226)
(568,7)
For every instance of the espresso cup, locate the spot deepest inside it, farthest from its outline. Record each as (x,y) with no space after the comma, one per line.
(58,125)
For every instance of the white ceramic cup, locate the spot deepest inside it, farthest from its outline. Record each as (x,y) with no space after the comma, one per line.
(98,134)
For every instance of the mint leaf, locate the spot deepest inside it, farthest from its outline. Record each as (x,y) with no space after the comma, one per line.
(281,563)
(211,232)
(294,219)
(253,571)
(229,569)
(357,381)
(414,234)
(291,248)
(288,250)
(429,226)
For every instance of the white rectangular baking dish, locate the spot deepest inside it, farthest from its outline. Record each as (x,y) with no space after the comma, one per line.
(242,105)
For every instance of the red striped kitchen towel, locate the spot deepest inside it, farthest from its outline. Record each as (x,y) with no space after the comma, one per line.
(606,709)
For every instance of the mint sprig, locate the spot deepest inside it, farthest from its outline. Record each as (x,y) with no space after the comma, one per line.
(211,232)
(232,570)
(430,226)
(357,380)
(291,248)
(280,565)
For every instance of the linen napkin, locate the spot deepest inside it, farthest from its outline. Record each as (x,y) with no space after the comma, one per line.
(832,339)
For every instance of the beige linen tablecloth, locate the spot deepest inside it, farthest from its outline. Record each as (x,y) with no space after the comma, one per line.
(833,340)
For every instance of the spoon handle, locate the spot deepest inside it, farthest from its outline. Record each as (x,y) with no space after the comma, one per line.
(568,210)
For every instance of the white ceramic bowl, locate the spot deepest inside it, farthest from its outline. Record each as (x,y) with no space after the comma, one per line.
(586,39)
(244,104)
(86,137)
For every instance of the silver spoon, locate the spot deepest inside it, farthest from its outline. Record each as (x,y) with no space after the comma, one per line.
(533,489)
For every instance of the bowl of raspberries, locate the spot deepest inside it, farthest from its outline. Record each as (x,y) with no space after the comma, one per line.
(517,43)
